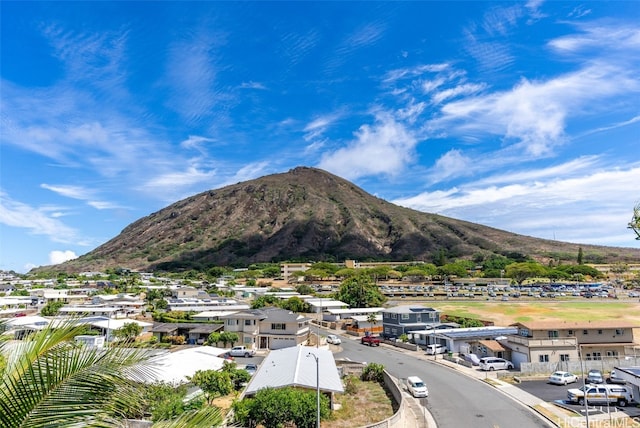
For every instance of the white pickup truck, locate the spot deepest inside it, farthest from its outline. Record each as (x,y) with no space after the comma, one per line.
(242,351)
(601,394)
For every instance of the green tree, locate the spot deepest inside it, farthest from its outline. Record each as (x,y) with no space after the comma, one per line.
(580,255)
(229,337)
(214,338)
(212,383)
(50,380)
(296,304)
(523,270)
(359,291)
(128,331)
(372,319)
(634,224)
(276,408)
(51,308)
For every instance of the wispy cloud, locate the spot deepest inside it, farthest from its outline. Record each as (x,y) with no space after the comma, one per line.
(554,194)
(17,214)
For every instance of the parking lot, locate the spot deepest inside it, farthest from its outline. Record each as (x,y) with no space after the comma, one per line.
(558,394)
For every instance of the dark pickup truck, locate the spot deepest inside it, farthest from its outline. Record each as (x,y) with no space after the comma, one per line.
(370,340)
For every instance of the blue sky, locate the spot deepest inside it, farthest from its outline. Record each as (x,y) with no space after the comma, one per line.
(523,116)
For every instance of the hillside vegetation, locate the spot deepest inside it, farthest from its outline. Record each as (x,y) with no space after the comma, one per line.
(309,214)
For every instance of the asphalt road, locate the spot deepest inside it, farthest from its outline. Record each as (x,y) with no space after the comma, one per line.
(455,400)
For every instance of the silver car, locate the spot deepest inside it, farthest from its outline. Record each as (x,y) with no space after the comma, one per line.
(562,378)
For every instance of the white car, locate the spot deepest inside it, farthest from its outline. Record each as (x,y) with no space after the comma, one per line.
(436,349)
(562,378)
(417,387)
(333,339)
(493,363)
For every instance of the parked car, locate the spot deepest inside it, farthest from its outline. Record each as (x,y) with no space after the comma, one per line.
(493,363)
(417,387)
(472,358)
(332,338)
(595,376)
(601,394)
(241,351)
(562,378)
(251,369)
(613,378)
(436,349)
(370,340)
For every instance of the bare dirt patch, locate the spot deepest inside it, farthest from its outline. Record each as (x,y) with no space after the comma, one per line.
(369,404)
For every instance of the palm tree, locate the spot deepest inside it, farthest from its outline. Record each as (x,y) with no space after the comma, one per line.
(635,221)
(372,319)
(51,381)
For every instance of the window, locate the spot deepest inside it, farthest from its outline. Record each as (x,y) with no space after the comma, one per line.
(405,317)
(597,356)
(248,340)
(553,334)
(523,332)
(612,353)
(571,333)
(394,316)
(543,358)
(248,322)
(278,326)
(585,331)
(599,331)
(619,332)
(564,357)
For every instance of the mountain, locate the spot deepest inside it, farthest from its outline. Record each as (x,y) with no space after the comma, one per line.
(308,214)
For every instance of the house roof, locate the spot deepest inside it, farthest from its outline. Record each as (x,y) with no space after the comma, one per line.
(296,366)
(409,309)
(576,325)
(282,315)
(492,345)
(174,367)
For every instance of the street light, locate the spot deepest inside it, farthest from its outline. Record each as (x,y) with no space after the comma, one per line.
(584,386)
(315,357)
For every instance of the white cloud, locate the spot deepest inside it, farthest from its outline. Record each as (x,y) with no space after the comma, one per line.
(591,207)
(57,256)
(386,147)
(17,214)
(69,191)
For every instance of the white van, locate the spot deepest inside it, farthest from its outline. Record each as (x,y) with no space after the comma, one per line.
(436,349)
(417,387)
(601,394)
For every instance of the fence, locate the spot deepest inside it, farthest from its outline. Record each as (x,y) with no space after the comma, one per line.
(606,364)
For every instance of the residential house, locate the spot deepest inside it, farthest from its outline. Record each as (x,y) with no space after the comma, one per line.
(400,320)
(464,340)
(556,341)
(281,328)
(246,324)
(300,367)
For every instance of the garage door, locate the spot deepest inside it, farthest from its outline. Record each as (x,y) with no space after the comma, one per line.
(517,358)
(282,342)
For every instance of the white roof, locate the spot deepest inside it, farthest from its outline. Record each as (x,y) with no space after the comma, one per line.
(32,321)
(342,311)
(175,367)
(365,318)
(326,303)
(296,366)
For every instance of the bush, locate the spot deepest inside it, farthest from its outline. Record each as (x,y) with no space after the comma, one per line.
(373,372)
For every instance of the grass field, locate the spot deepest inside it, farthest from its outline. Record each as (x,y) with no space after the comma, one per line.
(504,313)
